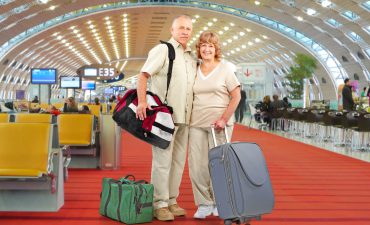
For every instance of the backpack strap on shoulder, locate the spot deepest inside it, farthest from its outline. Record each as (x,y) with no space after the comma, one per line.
(171,57)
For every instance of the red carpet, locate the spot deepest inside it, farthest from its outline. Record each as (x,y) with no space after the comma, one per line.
(311,185)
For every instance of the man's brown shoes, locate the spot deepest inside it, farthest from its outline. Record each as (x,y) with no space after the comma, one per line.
(169,213)
(163,214)
(176,210)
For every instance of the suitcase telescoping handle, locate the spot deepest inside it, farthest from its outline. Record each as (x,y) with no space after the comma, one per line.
(214,134)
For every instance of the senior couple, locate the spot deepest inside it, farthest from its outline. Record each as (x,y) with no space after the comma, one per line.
(200,96)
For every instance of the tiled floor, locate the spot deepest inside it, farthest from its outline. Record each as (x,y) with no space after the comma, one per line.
(344,150)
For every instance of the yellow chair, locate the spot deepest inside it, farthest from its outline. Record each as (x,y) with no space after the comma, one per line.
(44,106)
(33,118)
(113,105)
(24,149)
(31,171)
(76,129)
(95,110)
(58,105)
(4,118)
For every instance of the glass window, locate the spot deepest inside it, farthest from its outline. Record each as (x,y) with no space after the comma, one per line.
(263,50)
(333,23)
(354,36)
(367,51)
(5,2)
(2,18)
(350,15)
(272,47)
(367,29)
(366,5)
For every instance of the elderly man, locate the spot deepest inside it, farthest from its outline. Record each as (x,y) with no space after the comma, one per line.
(168,164)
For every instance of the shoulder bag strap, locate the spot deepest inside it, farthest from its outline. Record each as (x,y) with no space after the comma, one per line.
(171,57)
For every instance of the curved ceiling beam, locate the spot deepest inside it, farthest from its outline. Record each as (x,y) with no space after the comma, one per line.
(327,59)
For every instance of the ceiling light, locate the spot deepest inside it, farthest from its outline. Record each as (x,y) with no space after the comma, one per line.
(108,22)
(91,26)
(205,28)
(89,22)
(264,36)
(326,3)
(232,24)
(106,18)
(226,28)
(244,46)
(310,11)
(193,20)
(42,1)
(52,7)
(125,20)
(59,37)
(241,33)
(257,40)
(72,27)
(250,43)
(299,18)
(210,23)
(248,30)
(214,20)
(257,2)
(197,16)
(229,40)
(125,15)
(224,43)
(237,49)
(220,32)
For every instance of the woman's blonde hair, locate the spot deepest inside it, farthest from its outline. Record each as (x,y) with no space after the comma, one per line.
(72,103)
(212,38)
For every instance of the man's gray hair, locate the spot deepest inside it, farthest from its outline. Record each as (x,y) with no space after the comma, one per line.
(181,16)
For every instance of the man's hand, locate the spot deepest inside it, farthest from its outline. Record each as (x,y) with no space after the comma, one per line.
(141,110)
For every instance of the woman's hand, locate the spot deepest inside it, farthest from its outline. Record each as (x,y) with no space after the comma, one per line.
(220,124)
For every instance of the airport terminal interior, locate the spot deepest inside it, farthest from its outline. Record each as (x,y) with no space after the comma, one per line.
(66,64)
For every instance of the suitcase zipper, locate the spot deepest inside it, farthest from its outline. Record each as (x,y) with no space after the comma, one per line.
(229,181)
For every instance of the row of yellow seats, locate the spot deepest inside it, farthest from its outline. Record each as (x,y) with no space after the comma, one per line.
(74,129)
(95,109)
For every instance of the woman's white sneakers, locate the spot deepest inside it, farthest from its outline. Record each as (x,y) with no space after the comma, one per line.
(205,210)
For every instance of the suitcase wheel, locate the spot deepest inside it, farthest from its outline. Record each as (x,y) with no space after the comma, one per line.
(237,221)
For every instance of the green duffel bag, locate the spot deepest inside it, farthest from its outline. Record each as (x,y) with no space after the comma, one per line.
(127,200)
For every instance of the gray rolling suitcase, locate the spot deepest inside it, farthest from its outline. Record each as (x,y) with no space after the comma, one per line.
(240,180)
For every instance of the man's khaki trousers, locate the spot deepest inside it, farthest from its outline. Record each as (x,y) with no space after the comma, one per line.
(168,167)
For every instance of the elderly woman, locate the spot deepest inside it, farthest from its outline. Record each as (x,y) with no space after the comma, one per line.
(216,96)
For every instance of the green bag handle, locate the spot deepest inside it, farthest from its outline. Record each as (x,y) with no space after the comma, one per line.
(127,177)
(127,180)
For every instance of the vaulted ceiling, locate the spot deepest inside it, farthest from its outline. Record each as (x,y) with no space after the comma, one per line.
(67,34)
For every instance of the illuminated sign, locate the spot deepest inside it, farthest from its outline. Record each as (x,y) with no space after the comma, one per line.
(98,72)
